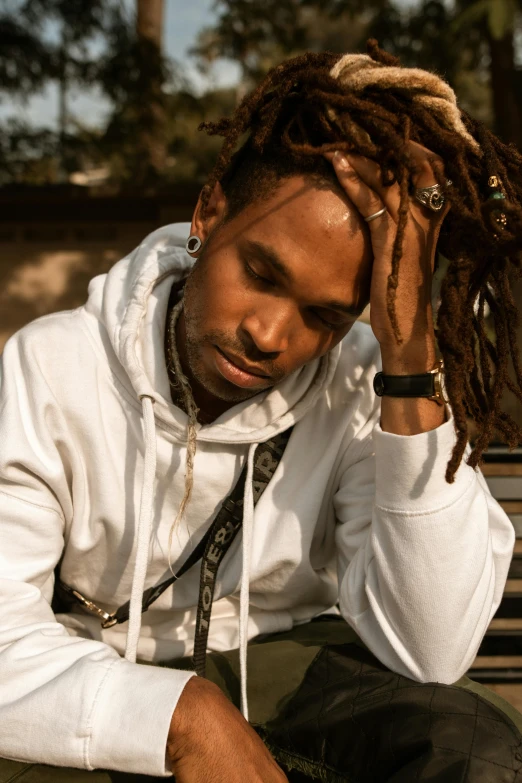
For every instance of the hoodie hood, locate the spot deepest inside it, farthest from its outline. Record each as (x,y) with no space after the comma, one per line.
(130,301)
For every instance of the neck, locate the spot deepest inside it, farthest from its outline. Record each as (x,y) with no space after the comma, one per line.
(209,406)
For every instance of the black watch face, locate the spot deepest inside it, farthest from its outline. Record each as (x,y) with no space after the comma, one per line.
(378,385)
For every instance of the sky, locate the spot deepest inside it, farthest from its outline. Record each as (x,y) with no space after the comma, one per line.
(183,20)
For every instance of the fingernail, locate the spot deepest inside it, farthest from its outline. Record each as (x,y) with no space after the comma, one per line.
(340,160)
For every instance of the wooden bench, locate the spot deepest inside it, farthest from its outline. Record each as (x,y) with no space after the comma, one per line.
(499,659)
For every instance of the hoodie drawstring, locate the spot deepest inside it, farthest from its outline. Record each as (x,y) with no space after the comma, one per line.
(144,530)
(142,549)
(244,596)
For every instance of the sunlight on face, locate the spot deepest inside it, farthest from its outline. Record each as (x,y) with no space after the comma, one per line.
(276,287)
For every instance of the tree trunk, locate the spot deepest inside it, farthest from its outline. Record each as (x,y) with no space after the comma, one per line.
(149,28)
(62,111)
(150,21)
(508,112)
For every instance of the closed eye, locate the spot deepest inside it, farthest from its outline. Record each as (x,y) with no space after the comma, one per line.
(330,324)
(250,272)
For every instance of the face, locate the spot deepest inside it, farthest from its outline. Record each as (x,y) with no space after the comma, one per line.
(272,289)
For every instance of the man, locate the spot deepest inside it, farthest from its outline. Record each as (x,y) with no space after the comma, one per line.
(127,422)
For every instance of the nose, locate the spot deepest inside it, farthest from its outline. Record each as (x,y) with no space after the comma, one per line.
(268,328)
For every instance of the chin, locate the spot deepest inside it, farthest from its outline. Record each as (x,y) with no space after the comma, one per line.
(228,392)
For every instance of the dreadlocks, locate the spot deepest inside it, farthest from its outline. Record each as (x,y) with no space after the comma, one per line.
(369,105)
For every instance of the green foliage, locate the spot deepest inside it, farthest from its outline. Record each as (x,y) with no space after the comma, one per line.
(80,22)
(248,31)
(258,35)
(30,59)
(500,16)
(24,60)
(151,136)
(27,154)
(191,152)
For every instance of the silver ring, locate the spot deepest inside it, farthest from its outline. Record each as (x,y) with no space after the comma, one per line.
(432,198)
(377,214)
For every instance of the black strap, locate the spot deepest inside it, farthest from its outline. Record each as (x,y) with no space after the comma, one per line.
(231,510)
(266,459)
(211,550)
(420,385)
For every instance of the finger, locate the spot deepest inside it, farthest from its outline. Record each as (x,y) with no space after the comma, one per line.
(366,200)
(370,173)
(426,165)
(427,171)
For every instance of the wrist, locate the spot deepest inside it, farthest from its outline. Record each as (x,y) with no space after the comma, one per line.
(411,405)
(200,697)
(178,737)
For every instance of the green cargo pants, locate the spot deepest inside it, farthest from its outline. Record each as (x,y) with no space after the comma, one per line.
(278,667)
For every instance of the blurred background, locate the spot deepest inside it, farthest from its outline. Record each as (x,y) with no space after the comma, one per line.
(100,102)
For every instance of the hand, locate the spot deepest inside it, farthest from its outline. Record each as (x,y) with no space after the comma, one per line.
(210,741)
(360,178)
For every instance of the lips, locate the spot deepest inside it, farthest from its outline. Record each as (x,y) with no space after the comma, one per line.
(238,372)
(251,370)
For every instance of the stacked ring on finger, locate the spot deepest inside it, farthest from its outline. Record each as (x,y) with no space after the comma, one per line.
(375,215)
(432,197)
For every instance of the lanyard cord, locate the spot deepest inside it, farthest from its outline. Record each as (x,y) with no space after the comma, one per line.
(211,550)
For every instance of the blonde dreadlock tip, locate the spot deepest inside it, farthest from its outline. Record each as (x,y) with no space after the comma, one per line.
(359,71)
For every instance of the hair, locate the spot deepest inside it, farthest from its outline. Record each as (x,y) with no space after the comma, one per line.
(369,104)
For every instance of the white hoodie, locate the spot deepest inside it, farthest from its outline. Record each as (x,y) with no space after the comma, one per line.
(92,457)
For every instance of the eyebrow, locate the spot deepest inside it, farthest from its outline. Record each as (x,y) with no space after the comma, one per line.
(267,255)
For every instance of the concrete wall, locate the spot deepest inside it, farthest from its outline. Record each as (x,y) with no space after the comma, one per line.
(54,240)
(44,275)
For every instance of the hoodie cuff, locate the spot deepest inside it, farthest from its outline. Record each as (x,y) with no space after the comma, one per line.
(410,470)
(131,718)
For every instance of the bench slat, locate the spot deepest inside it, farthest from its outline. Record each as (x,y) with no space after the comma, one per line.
(505,487)
(511,506)
(501,469)
(500,654)
(513,586)
(496,661)
(505,625)
(489,677)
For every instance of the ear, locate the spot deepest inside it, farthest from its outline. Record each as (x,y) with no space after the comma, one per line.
(203,223)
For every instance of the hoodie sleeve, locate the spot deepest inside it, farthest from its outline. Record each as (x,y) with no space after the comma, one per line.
(422,563)
(64,700)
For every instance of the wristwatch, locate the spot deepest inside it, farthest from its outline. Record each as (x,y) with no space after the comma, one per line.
(427,384)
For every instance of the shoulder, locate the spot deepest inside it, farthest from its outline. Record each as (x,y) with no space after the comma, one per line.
(52,345)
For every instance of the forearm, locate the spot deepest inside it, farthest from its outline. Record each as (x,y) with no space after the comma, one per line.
(423,588)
